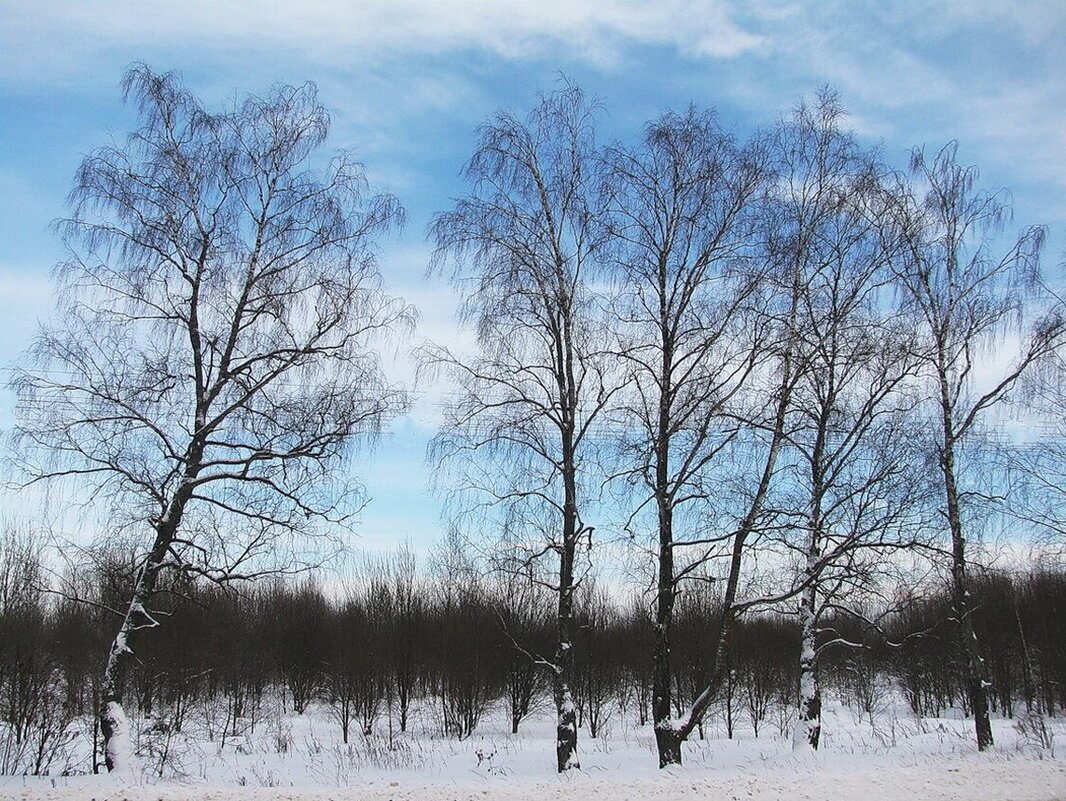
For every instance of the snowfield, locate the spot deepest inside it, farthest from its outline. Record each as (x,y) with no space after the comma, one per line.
(997,778)
(301,758)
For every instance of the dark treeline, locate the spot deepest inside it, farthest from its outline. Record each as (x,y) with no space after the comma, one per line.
(399,648)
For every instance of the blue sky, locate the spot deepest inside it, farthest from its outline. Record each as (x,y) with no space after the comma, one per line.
(407,81)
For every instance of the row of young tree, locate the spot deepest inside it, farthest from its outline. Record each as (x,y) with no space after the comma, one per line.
(401,647)
(763,365)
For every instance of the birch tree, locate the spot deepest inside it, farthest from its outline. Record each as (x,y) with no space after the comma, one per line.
(736,514)
(213,359)
(967,297)
(519,433)
(683,208)
(850,477)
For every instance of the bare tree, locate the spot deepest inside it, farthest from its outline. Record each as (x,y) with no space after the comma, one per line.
(465,638)
(407,628)
(850,480)
(597,673)
(355,676)
(683,211)
(213,359)
(525,618)
(519,432)
(33,712)
(966,298)
(766,664)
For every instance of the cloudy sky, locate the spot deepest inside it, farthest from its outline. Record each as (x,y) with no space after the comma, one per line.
(407,81)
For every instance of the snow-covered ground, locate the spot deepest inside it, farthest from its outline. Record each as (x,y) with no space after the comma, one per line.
(301,758)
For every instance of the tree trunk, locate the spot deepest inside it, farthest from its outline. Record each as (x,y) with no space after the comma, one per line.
(976,679)
(667,742)
(808,729)
(114,726)
(809,726)
(566,725)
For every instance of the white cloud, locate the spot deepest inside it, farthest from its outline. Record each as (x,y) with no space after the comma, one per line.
(904,68)
(48,40)
(987,74)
